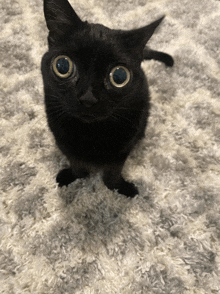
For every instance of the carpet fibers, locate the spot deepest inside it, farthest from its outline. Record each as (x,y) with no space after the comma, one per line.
(86,239)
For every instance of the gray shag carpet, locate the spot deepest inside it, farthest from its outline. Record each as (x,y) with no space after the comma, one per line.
(86,238)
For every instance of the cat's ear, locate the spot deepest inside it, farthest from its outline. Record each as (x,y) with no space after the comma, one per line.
(136,40)
(60,18)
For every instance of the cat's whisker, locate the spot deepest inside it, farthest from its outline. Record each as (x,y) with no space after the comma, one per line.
(118,117)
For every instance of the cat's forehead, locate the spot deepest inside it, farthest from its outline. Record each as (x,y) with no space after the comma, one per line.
(98,44)
(99,31)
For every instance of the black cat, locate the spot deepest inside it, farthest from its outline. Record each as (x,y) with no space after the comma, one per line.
(96,94)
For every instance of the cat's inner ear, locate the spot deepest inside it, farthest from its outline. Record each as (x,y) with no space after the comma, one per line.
(136,40)
(60,18)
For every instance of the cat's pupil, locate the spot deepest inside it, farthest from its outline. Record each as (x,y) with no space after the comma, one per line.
(63,66)
(119,76)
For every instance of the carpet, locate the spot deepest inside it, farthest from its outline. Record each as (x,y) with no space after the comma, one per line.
(86,239)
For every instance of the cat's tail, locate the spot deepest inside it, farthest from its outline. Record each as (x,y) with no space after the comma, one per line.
(157,55)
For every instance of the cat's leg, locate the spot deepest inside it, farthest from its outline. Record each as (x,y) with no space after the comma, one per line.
(113,180)
(69,175)
(157,55)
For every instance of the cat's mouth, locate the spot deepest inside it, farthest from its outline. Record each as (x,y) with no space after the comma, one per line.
(89,118)
(93,116)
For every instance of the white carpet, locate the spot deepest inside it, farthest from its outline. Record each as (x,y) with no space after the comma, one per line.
(86,238)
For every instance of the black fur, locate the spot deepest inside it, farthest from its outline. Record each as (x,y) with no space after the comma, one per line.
(95,124)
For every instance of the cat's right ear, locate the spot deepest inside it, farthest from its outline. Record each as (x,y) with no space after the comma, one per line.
(60,18)
(136,40)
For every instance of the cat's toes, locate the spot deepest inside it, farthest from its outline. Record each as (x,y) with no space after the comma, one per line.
(65,177)
(128,189)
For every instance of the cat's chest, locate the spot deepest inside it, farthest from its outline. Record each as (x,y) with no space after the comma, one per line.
(94,142)
(98,135)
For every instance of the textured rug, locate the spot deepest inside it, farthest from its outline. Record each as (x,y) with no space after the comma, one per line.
(86,238)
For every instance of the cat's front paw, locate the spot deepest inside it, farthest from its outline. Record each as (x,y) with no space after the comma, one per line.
(65,177)
(128,189)
(123,187)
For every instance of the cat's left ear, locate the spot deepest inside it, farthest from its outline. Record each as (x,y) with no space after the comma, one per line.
(60,18)
(136,40)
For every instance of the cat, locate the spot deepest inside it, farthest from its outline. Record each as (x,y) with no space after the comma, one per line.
(96,94)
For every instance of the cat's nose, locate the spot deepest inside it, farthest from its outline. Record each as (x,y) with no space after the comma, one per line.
(88,99)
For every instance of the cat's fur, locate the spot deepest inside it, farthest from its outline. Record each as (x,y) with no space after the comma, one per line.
(95,124)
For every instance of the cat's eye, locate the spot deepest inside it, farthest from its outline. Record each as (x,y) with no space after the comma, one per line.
(119,76)
(63,66)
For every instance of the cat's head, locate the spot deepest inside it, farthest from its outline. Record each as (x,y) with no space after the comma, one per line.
(91,71)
